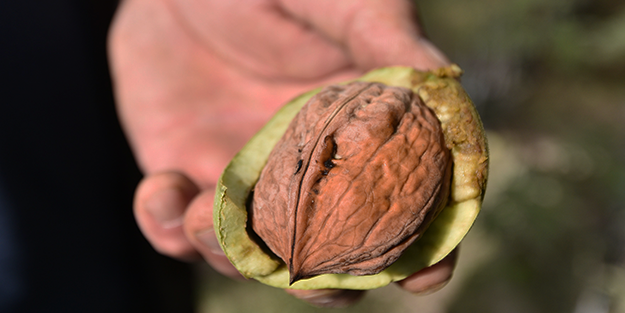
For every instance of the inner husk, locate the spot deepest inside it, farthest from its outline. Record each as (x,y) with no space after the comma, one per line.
(464,136)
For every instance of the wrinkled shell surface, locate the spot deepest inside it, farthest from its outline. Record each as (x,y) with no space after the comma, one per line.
(357,177)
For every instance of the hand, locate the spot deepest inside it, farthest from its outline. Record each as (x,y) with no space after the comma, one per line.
(195,79)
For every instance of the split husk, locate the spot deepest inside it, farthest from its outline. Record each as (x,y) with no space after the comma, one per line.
(464,137)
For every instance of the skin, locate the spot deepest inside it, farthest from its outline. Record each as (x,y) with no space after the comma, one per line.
(195,79)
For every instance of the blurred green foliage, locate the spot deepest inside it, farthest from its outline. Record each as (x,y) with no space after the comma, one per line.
(548,77)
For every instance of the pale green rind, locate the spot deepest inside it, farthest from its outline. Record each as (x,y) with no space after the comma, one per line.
(235,184)
(443,235)
(436,243)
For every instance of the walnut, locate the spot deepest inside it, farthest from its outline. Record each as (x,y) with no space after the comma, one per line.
(356,178)
(374,146)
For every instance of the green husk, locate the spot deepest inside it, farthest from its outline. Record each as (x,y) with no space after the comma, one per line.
(464,136)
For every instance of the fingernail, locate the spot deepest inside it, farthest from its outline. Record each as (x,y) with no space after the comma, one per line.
(328,298)
(167,207)
(437,56)
(431,289)
(208,238)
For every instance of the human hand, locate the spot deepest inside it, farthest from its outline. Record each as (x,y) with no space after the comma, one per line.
(195,79)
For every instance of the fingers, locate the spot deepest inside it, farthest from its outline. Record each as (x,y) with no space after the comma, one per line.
(309,39)
(375,33)
(198,227)
(177,219)
(159,206)
(328,298)
(423,282)
(432,278)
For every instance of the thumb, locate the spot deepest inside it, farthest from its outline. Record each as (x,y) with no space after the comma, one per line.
(375,33)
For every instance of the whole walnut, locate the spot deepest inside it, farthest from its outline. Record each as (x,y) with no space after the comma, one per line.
(356,178)
(356,185)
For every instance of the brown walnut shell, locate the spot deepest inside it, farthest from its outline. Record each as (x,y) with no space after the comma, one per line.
(359,174)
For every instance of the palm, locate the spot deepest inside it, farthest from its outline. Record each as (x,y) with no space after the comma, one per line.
(190,109)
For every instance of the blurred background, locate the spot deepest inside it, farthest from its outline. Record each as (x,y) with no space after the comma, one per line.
(548,77)
(68,239)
